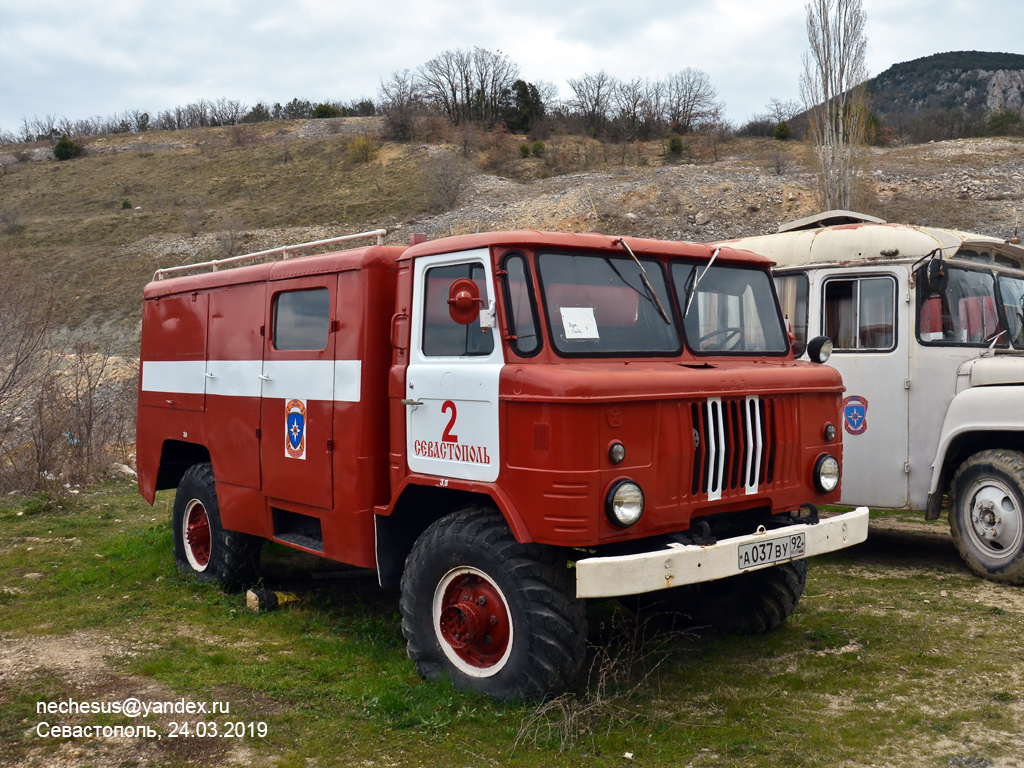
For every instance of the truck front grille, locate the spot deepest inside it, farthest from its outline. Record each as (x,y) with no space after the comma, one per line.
(734,445)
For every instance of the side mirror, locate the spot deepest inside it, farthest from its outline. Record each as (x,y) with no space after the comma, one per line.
(464,301)
(937,275)
(819,349)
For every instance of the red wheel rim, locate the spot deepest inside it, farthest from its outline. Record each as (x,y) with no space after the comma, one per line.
(472,620)
(196,530)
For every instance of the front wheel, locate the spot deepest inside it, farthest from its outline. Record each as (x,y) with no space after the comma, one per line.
(492,615)
(986,515)
(201,545)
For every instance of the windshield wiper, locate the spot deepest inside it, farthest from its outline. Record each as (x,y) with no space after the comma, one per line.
(643,276)
(693,287)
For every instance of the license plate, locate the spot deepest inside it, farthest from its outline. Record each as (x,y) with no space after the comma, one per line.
(771,551)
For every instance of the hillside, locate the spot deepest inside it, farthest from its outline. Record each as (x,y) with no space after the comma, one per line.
(98,226)
(973,82)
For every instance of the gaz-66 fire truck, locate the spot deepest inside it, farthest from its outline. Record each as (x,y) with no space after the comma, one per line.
(503,424)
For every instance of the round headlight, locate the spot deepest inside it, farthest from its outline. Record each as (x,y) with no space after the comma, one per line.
(616,453)
(829,432)
(826,473)
(819,349)
(624,503)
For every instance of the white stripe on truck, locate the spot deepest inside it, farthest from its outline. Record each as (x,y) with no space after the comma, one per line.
(337,380)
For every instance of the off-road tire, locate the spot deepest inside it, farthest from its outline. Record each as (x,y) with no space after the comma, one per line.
(203,548)
(995,477)
(538,643)
(750,603)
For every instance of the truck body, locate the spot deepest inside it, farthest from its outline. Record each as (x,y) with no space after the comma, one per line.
(469,415)
(928,333)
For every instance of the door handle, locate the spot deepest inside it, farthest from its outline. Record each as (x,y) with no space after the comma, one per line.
(411,401)
(264,377)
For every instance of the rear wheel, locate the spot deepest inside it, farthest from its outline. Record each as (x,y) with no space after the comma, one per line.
(492,615)
(752,603)
(201,545)
(986,515)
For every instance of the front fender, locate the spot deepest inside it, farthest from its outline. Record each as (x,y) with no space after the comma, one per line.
(973,411)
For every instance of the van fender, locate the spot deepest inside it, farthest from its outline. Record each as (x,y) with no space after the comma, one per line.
(982,415)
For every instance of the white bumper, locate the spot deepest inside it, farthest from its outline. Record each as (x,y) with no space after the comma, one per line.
(680,564)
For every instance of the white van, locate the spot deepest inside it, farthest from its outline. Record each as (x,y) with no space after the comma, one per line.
(927,328)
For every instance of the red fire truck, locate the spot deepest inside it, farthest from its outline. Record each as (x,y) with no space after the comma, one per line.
(503,424)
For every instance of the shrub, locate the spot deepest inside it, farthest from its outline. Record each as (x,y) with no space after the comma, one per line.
(65,149)
(126,204)
(783,131)
(537,149)
(321,111)
(363,148)
(675,145)
(524,150)
(1004,122)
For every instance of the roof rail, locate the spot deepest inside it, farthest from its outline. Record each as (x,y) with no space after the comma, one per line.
(285,251)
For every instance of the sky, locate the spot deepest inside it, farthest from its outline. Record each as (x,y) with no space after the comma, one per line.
(79,59)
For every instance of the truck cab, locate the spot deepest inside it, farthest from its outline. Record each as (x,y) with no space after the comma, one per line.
(927,330)
(503,425)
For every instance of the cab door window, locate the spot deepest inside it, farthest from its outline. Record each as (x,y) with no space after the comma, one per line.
(442,336)
(860,313)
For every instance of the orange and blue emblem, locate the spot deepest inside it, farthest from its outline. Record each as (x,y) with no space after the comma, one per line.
(855,414)
(295,429)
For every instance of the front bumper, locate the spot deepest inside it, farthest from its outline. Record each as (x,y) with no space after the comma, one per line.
(680,564)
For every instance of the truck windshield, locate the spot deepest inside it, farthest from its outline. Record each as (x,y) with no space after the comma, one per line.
(599,306)
(733,309)
(976,308)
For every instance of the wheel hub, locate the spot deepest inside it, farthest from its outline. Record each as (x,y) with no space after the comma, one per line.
(197,535)
(474,621)
(995,520)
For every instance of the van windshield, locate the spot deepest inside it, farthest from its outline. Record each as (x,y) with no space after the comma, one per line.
(731,309)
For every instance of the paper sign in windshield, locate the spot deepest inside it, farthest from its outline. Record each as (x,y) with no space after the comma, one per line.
(579,323)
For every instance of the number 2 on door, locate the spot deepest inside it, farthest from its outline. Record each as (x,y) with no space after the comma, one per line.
(448,437)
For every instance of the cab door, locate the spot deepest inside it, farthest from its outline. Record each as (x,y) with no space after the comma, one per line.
(865,315)
(451,389)
(297,393)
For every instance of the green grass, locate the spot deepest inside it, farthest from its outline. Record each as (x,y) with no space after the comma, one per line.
(876,667)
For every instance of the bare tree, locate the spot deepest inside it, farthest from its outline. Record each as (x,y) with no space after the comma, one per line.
(783,111)
(592,100)
(690,100)
(630,98)
(469,85)
(494,74)
(25,325)
(832,88)
(399,103)
(445,81)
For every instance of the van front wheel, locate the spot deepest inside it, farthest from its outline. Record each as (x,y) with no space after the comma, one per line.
(986,515)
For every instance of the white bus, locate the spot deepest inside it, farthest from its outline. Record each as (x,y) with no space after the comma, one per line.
(927,327)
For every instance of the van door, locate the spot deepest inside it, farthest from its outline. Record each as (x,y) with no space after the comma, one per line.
(451,387)
(297,402)
(865,315)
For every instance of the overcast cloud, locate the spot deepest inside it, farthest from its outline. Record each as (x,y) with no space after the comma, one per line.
(94,58)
